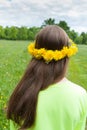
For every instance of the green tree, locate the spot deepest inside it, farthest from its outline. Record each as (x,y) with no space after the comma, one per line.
(32,32)
(49,21)
(84,38)
(78,40)
(13,33)
(73,35)
(7,32)
(64,25)
(2,34)
(22,33)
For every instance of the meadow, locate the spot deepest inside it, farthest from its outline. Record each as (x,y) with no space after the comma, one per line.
(13,61)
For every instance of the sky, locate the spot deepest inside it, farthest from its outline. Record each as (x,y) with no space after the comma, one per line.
(33,13)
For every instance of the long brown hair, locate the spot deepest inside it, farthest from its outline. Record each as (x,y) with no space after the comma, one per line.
(38,76)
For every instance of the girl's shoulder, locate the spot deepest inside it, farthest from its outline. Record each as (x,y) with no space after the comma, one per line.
(63,90)
(64,85)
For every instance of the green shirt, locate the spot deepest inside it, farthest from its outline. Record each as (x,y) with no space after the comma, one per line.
(62,106)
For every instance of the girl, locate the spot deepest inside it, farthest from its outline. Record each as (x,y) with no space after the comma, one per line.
(44,99)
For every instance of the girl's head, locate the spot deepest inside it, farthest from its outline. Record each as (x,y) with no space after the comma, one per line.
(52,37)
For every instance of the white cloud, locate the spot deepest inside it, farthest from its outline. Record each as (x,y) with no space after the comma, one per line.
(33,13)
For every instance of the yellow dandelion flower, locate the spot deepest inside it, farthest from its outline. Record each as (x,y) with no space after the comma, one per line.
(42,51)
(69,52)
(57,55)
(48,56)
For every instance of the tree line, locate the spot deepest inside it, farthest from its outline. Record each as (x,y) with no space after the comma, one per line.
(26,33)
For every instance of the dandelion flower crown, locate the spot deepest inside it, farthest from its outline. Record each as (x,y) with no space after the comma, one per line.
(49,55)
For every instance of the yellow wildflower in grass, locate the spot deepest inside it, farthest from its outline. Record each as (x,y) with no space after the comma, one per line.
(49,55)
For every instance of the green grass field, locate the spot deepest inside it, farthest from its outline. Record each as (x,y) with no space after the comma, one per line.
(13,61)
